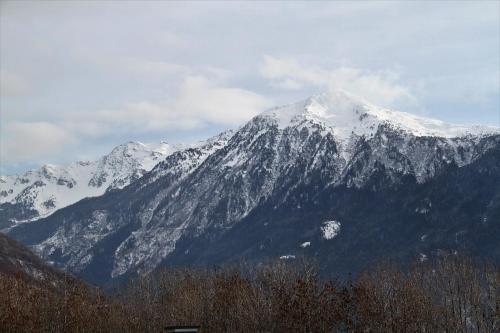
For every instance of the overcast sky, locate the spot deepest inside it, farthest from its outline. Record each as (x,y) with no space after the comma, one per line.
(78,78)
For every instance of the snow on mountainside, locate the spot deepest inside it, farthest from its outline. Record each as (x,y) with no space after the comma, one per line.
(331,150)
(347,114)
(353,122)
(79,240)
(348,117)
(52,187)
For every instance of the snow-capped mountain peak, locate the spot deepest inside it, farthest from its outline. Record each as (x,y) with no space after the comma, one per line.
(129,161)
(40,192)
(347,114)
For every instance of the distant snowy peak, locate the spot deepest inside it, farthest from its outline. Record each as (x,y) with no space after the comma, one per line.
(346,115)
(128,162)
(146,155)
(52,187)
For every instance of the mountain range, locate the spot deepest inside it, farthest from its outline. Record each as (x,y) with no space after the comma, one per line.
(39,193)
(332,177)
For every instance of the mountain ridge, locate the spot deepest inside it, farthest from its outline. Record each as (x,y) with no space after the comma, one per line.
(203,194)
(42,191)
(17,260)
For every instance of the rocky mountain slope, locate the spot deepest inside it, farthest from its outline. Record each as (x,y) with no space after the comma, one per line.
(38,193)
(332,177)
(16,259)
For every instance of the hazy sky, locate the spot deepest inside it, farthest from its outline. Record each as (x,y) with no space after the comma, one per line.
(78,78)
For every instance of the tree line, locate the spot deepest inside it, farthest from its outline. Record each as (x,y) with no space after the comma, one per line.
(448,294)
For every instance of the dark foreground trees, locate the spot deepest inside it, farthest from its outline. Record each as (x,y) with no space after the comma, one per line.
(451,294)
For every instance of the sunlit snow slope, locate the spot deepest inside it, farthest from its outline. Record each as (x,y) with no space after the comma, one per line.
(40,192)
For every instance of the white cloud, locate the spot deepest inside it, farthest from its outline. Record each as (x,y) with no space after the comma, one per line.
(201,99)
(28,141)
(379,87)
(199,103)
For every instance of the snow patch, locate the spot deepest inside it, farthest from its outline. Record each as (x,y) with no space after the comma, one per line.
(330,229)
(287,257)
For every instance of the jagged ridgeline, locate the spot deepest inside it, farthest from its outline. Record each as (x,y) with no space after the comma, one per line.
(39,193)
(331,177)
